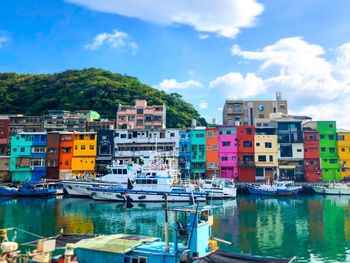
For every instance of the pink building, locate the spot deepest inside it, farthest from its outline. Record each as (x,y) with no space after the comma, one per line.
(228,153)
(141,116)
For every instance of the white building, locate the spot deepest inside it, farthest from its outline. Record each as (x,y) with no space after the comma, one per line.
(133,144)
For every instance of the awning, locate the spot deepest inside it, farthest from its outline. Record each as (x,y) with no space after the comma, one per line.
(104,158)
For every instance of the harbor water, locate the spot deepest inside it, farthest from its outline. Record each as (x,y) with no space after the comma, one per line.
(312,228)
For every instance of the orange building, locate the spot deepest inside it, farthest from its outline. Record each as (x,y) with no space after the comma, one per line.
(66,151)
(212,152)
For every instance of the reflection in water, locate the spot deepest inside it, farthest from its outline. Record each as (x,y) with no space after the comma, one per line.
(309,227)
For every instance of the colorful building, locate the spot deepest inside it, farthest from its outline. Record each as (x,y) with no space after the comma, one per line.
(266,154)
(328,150)
(4,149)
(312,165)
(84,154)
(53,155)
(66,153)
(212,152)
(28,154)
(343,145)
(228,155)
(198,152)
(246,163)
(291,148)
(105,150)
(185,153)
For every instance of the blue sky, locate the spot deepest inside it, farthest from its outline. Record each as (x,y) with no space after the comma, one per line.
(205,50)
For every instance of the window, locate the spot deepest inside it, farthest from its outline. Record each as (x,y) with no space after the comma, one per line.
(225,144)
(172,134)
(341,137)
(76,147)
(52,150)
(332,150)
(268,145)
(81,137)
(82,147)
(323,149)
(261,158)
(199,135)
(224,158)
(234,158)
(92,136)
(38,149)
(299,150)
(330,125)
(249,131)
(210,134)
(123,136)
(271,158)
(321,136)
(66,150)
(139,111)
(247,144)
(201,148)
(22,149)
(331,137)
(215,134)
(92,147)
(215,147)
(343,149)
(194,148)
(208,147)
(333,161)
(286,151)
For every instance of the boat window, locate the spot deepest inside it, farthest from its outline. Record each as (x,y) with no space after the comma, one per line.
(148,173)
(142,260)
(125,171)
(154,174)
(134,260)
(143,181)
(115,171)
(149,181)
(120,171)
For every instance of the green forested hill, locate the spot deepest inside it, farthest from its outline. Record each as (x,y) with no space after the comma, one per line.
(94,89)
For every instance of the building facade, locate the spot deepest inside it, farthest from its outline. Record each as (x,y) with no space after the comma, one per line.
(4,149)
(94,126)
(254,113)
(53,155)
(328,150)
(84,154)
(141,116)
(291,149)
(198,152)
(343,145)
(185,153)
(38,156)
(66,153)
(246,162)
(20,123)
(312,165)
(266,154)
(212,152)
(105,150)
(61,120)
(228,154)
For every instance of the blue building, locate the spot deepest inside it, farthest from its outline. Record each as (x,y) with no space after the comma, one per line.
(185,153)
(38,156)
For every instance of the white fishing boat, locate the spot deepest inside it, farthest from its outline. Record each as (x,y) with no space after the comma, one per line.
(218,188)
(148,189)
(332,189)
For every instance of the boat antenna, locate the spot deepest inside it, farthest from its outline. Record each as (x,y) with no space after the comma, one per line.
(166,227)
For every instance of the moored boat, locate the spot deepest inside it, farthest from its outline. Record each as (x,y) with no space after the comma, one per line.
(275,188)
(26,190)
(332,189)
(218,189)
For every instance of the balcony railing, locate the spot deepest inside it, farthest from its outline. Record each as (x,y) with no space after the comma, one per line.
(246,163)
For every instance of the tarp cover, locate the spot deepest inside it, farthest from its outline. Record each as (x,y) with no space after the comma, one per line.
(119,244)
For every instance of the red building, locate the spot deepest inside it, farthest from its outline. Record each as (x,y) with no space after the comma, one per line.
(4,149)
(246,165)
(312,167)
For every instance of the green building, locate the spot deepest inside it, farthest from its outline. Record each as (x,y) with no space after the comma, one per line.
(328,150)
(21,146)
(198,149)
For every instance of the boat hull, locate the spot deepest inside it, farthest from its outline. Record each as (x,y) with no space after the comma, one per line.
(80,188)
(221,193)
(330,191)
(256,191)
(147,196)
(9,191)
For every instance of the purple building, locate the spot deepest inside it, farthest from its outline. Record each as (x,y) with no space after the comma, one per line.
(228,154)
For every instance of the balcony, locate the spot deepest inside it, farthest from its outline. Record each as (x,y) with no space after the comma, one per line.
(246,163)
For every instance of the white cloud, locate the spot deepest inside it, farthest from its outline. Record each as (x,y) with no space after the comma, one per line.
(168,84)
(223,17)
(235,85)
(203,36)
(220,109)
(315,86)
(117,40)
(203,105)
(3,40)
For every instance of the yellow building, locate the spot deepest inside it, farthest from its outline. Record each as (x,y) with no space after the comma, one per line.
(84,153)
(343,145)
(266,156)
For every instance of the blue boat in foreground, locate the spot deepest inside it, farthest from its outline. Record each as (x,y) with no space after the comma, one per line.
(28,190)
